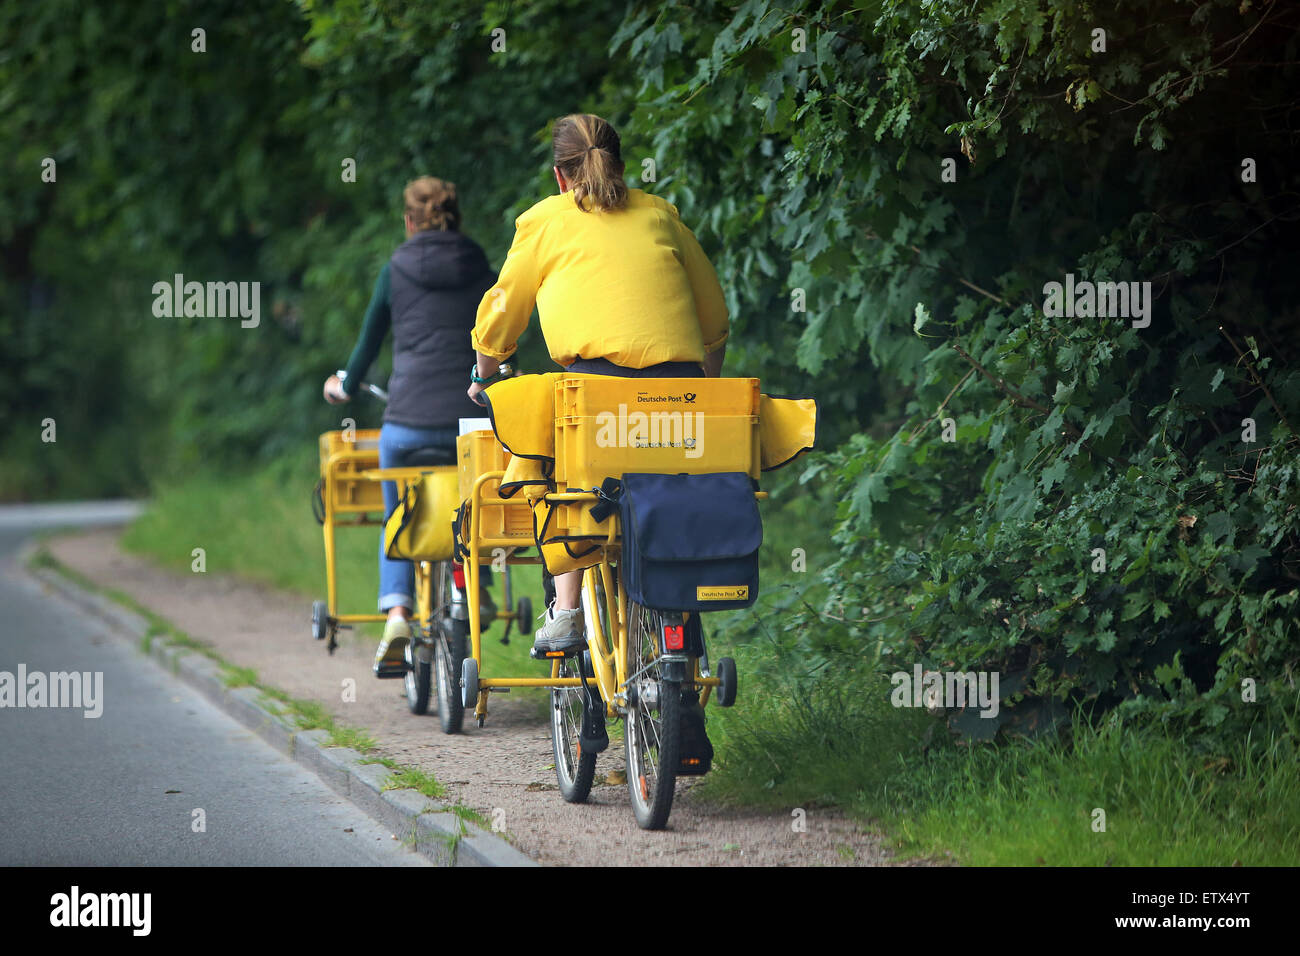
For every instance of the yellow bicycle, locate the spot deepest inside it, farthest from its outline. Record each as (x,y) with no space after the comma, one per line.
(647,666)
(348,494)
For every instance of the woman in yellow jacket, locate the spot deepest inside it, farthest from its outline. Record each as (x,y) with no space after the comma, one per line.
(622,287)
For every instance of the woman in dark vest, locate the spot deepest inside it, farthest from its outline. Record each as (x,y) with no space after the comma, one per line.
(427,294)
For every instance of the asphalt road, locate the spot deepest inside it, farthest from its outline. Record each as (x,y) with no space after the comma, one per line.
(122,789)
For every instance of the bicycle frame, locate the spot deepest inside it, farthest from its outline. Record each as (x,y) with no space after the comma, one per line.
(608,646)
(360,461)
(360,466)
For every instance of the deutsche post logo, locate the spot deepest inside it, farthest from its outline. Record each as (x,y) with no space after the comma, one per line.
(740,593)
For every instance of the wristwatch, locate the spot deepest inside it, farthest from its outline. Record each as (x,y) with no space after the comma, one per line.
(502,370)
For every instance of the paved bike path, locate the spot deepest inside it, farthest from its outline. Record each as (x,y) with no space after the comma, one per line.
(160,777)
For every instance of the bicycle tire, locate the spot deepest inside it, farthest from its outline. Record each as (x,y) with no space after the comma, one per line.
(449,653)
(319,620)
(419,680)
(652,743)
(420,652)
(727,682)
(318,502)
(575,769)
(450,645)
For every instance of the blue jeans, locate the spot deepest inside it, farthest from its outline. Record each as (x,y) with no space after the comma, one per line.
(397,578)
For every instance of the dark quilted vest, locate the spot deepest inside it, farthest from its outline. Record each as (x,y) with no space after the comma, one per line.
(436,280)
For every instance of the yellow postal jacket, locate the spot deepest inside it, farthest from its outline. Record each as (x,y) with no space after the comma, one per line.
(660,300)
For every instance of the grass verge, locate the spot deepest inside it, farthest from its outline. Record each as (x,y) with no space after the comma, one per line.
(1114,795)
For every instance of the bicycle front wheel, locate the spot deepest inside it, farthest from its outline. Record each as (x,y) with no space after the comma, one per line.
(451,644)
(451,652)
(652,735)
(575,768)
(418,676)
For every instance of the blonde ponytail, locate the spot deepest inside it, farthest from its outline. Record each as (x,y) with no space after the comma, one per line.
(587,151)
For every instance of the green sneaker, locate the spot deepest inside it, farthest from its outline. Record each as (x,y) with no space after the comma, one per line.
(390,658)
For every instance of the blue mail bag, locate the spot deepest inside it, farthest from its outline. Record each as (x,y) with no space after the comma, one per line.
(690,542)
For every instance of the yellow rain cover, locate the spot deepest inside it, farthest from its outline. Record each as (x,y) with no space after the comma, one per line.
(787,427)
(522,410)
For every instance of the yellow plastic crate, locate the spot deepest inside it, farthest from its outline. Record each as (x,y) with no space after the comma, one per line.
(340,463)
(606,426)
(476,453)
(479,452)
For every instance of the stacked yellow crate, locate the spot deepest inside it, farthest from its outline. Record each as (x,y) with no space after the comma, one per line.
(606,427)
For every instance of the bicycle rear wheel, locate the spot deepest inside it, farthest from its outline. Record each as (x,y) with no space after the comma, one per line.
(451,649)
(652,735)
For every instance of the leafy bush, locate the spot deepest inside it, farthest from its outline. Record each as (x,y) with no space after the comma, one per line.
(1076,440)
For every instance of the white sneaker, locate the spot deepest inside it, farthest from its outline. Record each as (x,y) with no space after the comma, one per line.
(564,630)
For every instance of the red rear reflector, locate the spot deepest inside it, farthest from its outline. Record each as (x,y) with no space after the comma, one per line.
(674,637)
(458,575)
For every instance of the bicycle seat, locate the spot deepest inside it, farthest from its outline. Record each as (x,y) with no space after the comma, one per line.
(425,457)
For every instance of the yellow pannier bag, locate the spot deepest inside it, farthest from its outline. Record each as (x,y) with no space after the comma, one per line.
(419,529)
(561,557)
(561,553)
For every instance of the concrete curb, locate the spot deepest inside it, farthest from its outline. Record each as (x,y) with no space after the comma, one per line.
(436,832)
